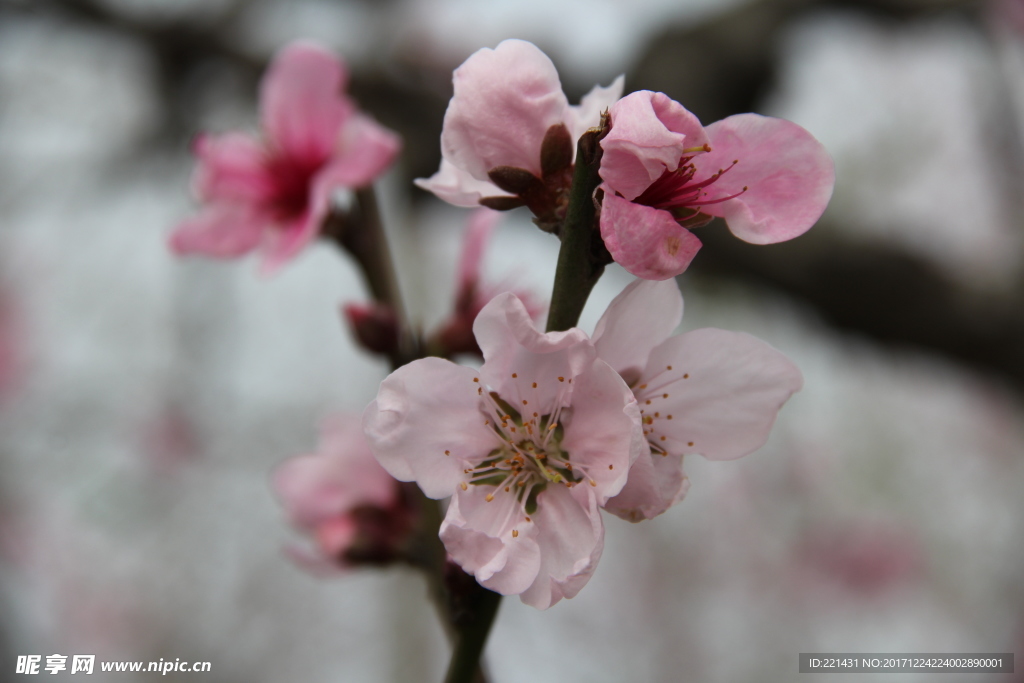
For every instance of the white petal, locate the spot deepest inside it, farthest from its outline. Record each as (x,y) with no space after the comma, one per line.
(587,114)
(478,534)
(456,186)
(637,320)
(571,539)
(423,410)
(724,391)
(656,483)
(511,344)
(603,436)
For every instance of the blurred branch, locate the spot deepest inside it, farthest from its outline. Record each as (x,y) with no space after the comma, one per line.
(880,292)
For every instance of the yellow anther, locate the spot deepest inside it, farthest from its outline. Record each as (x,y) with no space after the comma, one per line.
(464,486)
(489,497)
(515,533)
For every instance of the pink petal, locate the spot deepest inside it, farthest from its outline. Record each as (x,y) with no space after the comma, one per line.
(458,187)
(788,173)
(637,320)
(604,435)
(342,474)
(478,535)
(570,535)
(221,231)
(647,242)
(232,167)
(587,114)
(724,392)
(302,101)
(649,133)
(422,410)
(365,151)
(656,483)
(504,102)
(481,224)
(284,243)
(511,344)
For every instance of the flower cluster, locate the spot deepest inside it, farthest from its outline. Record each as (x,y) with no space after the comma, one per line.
(554,426)
(663,173)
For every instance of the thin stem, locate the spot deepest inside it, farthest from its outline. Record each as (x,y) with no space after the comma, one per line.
(582,257)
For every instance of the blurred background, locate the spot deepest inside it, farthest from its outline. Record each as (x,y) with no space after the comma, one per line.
(144,400)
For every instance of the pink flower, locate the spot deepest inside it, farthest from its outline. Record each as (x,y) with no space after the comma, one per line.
(473,292)
(708,391)
(273,192)
(351,508)
(664,173)
(506,103)
(530,445)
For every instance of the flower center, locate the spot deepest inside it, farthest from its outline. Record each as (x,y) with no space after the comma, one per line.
(528,456)
(291,184)
(678,191)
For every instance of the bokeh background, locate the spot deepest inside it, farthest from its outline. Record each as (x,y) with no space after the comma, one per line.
(144,400)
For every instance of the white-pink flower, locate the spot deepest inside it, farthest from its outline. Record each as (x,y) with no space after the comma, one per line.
(341,497)
(273,192)
(505,102)
(664,173)
(529,447)
(709,391)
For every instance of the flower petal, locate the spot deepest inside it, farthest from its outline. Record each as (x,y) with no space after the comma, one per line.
(570,535)
(284,242)
(656,482)
(340,475)
(649,133)
(458,187)
(422,410)
(637,320)
(723,391)
(478,535)
(587,114)
(220,231)
(512,345)
(604,435)
(505,100)
(302,101)
(232,167)
(647,242)
(788,173)
(365,150)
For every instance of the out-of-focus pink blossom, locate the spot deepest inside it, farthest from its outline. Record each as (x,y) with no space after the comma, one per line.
(473,292)
(505,102)
(708,391)
(531,446)
(273,192)
(349,506)
(864,557)
(664,173)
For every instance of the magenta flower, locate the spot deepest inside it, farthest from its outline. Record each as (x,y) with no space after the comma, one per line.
(531,446)
(349,506)
(708,391)
(664,173)
(272,193)
(506,102)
